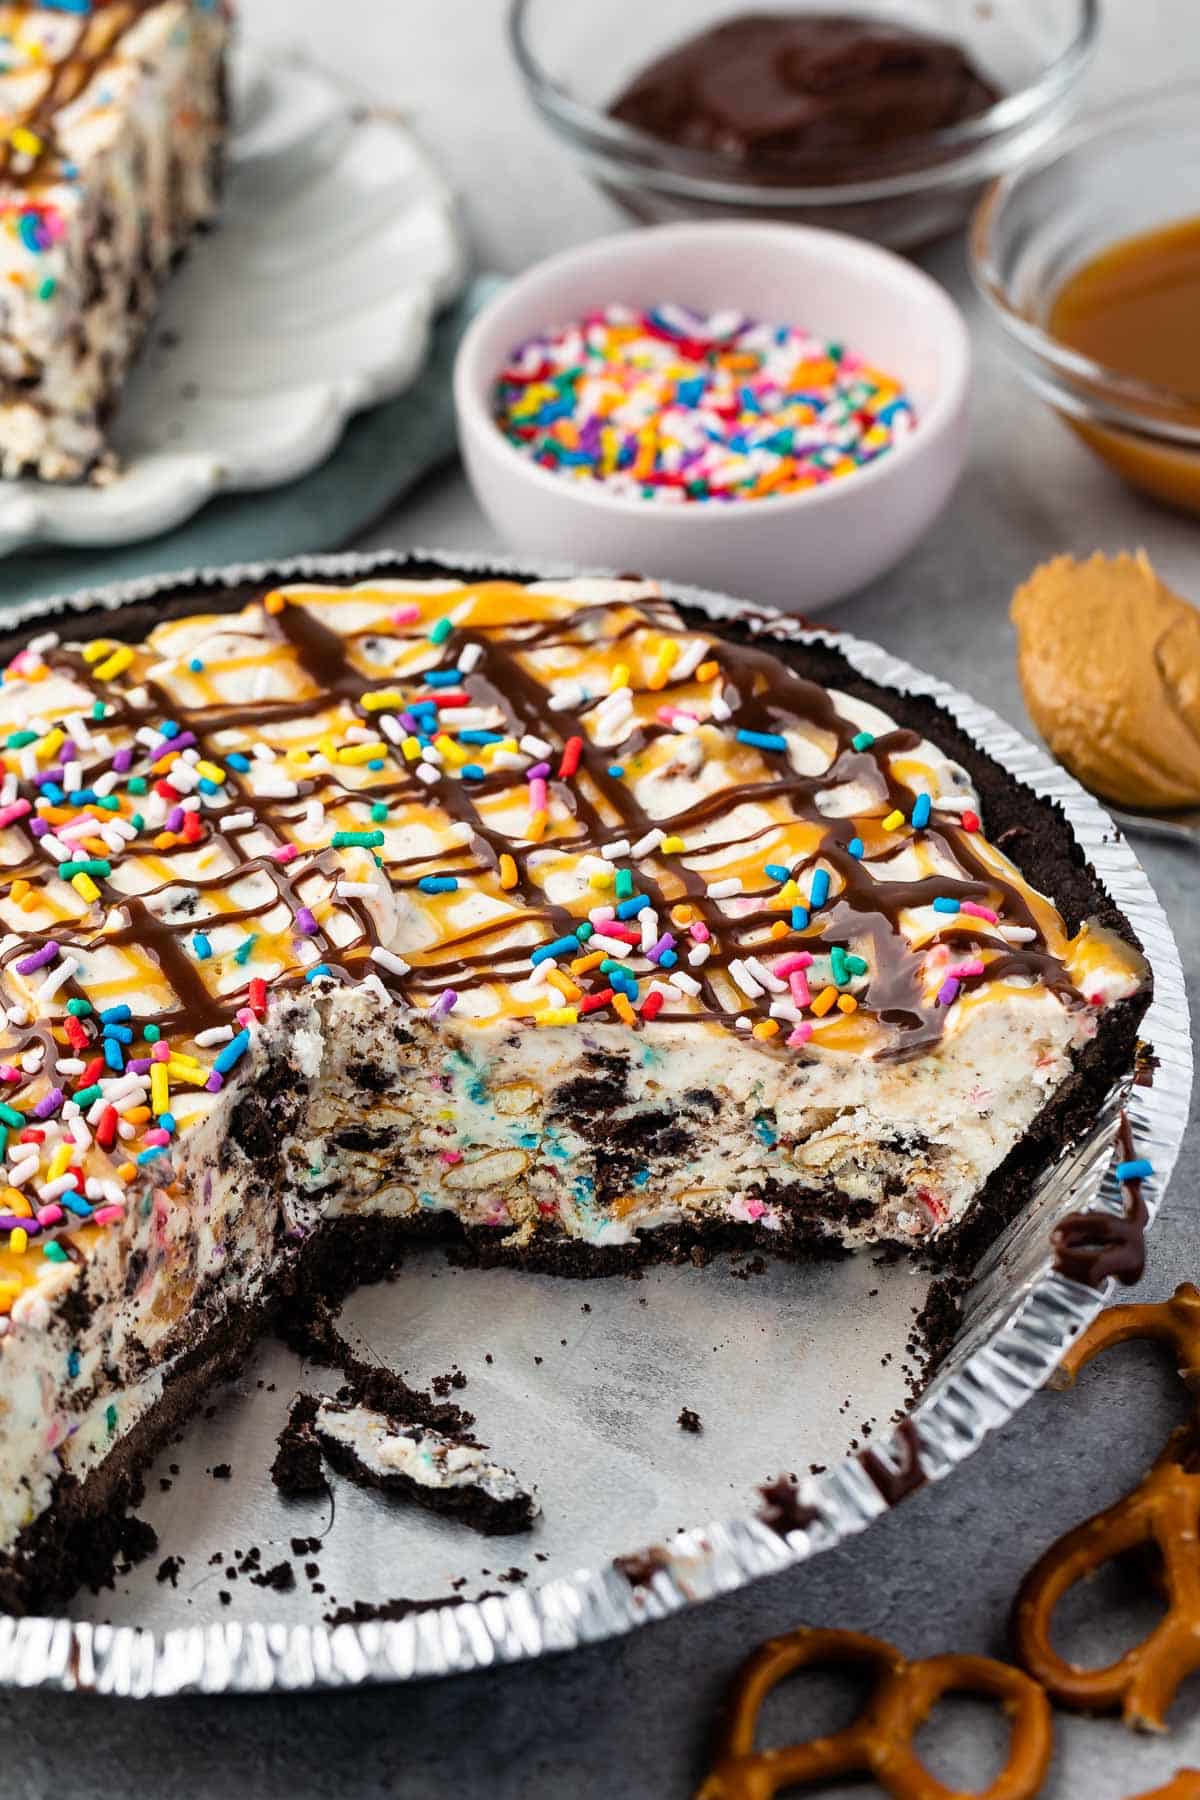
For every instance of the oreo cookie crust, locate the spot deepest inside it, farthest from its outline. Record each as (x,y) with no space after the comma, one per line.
(543,916)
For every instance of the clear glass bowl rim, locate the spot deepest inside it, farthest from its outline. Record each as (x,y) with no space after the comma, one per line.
(625,148)
(1142,406)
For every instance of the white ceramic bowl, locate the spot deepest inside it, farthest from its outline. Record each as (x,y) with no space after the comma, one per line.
(797,551)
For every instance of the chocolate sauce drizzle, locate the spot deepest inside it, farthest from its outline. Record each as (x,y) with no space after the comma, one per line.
(761,693)
(895,1483)
(782,1508)
(100,30)
(1091,1246)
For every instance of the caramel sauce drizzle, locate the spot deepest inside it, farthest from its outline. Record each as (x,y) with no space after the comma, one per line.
(97,41)
(761,693)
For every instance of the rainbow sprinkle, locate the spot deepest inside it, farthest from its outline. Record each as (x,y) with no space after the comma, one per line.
(675,406)
(629,945)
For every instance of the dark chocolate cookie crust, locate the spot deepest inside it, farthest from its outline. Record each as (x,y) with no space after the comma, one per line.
(86,1528)
(80,1535)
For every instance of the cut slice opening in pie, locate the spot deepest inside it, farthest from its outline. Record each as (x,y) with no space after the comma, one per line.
(551,916)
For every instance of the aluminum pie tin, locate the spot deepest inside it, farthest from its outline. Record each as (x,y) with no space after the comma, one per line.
(621,1488)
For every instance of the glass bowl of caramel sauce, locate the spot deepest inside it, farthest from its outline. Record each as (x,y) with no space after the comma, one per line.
(880,118)
(1089,261)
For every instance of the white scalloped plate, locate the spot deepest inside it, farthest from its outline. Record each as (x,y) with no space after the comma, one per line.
(312,299)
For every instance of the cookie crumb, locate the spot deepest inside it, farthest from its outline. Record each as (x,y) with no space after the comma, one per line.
(281,1577)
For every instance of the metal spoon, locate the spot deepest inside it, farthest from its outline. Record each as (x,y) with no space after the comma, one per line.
(1174,827)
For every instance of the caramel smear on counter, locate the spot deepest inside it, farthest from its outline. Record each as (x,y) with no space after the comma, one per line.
(1109,661)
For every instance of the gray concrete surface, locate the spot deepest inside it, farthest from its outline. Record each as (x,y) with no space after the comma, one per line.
(631,1719)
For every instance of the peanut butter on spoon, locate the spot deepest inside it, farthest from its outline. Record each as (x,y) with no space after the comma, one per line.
(1109,662)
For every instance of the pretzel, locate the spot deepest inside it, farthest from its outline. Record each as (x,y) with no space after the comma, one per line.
(1163,1510)
(880,1741)
(1174,1322)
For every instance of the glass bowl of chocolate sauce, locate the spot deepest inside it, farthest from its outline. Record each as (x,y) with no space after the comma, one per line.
(1088,258)
(884,120)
